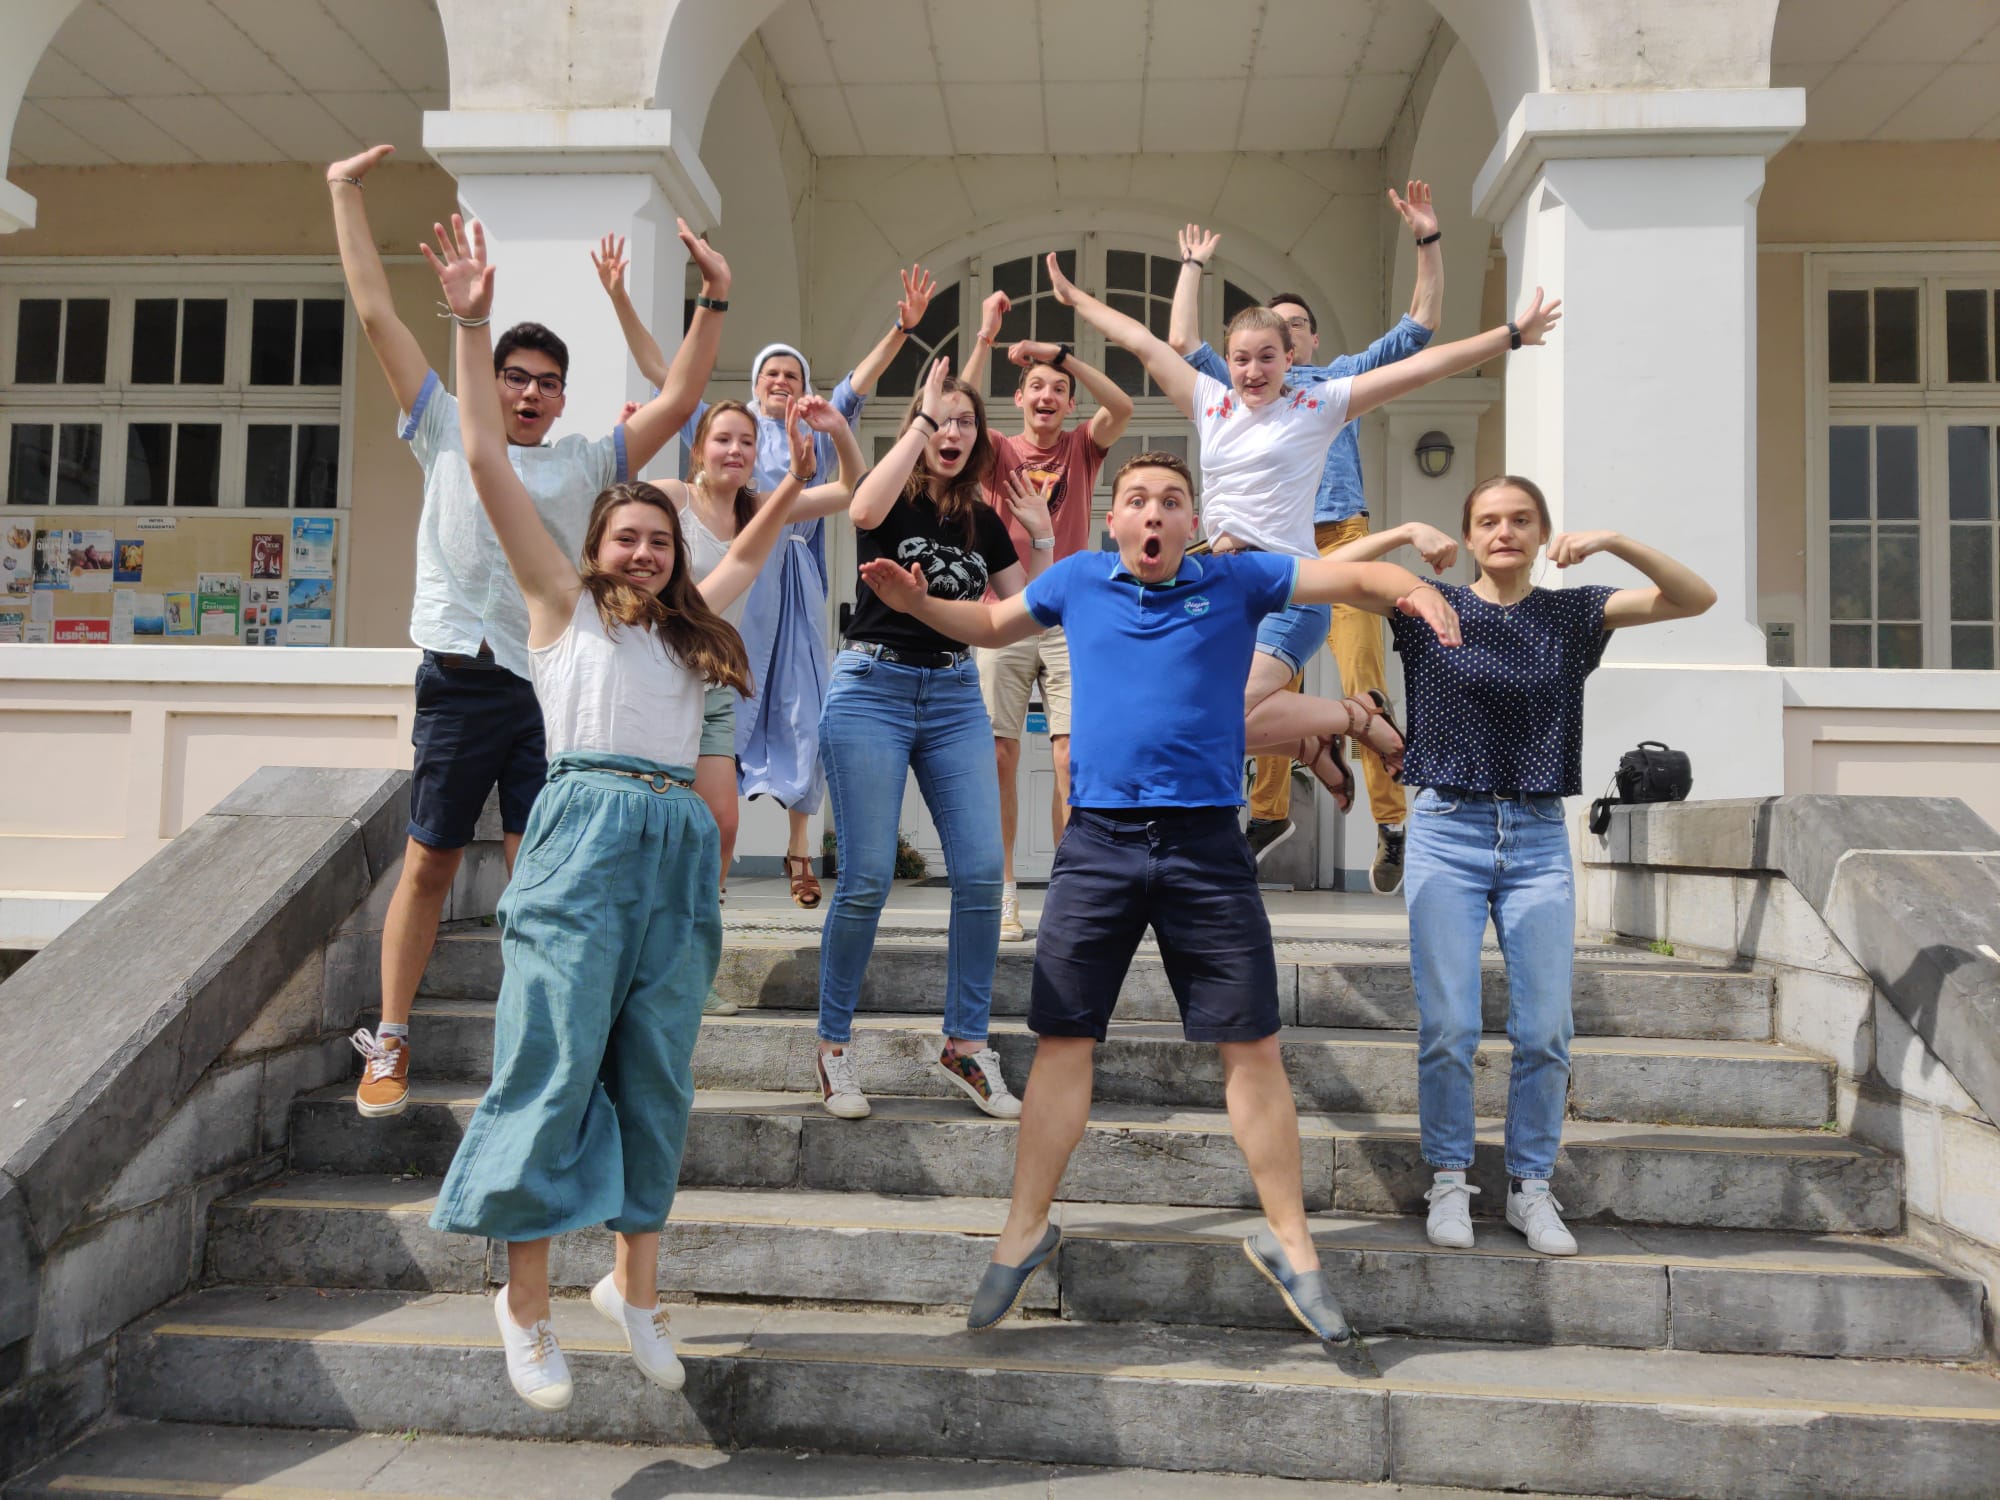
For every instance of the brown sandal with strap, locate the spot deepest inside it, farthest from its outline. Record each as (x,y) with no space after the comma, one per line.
(805,885)
(1315,753)
(1373,705)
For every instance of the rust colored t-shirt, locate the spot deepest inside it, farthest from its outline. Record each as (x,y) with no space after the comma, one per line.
(1067,472)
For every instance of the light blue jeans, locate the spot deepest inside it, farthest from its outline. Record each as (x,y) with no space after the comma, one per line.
(883,720)
(1471,853)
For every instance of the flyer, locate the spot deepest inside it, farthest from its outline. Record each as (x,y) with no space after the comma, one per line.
(149,614)
(92,556)
(17,560)
(219,602)
(51,560)
(124,609)
(267,554)
(131,561)
(83,632)
(157,523)
(180,614)
(13,622)
(312,546)
(41,608)
(37,633)
(311,607)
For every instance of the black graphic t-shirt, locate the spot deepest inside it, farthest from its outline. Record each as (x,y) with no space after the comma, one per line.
(958,559)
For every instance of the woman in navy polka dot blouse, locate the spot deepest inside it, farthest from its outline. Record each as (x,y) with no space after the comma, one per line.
(1495,744)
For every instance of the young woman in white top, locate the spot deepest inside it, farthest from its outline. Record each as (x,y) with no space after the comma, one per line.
(1263,443)
(611,927)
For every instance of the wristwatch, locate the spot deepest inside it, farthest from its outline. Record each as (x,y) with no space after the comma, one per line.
(1043,543)
(1063,352)
(713,304)
(1513,334)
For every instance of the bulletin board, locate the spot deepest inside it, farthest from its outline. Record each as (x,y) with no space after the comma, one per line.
(244,578)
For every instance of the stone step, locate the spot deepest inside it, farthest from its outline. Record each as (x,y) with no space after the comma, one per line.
(1615,1421)
(1722,1290)
(147,1460)
(1657,1081)
(1629,995)
(1700,1177)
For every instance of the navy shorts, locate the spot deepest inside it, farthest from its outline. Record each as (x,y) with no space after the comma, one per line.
(477,725)
(1188,874)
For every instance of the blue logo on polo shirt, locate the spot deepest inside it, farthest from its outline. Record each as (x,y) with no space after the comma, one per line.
(1198,605)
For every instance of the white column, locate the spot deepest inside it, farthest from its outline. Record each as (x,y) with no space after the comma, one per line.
(1640,212)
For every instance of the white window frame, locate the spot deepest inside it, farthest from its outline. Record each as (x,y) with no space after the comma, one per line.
(1931,406)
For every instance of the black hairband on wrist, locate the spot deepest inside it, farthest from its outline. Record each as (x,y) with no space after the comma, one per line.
(924,416)
(1432,238)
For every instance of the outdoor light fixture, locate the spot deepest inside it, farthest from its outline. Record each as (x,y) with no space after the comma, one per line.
(1434,451)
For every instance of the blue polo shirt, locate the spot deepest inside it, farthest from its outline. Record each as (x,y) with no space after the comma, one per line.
(1157,673)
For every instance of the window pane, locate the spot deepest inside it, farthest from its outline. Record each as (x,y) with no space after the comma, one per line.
(1065,261)
(1166,275)
(1847,473)
(1972,647)
(1055,322)
(1899,645)
(900,379)
(30,457)
(1896,473)
(1124,271)
(1898,574)
(78,462)
(1018,322)
(1129,303)
(319,464)
(319,340)
(1848,564)
(1972,572)
(205,336)
(1157,314)
(274,338)
(147,446)
(86,334)
(1895,335)
(155,324)
(1847,337)
(1016,278)
(38,336)
(1234,300)
(1969,453)
(267,465)
(1124,368)
(1849,645)
(1965,336)
(198,464)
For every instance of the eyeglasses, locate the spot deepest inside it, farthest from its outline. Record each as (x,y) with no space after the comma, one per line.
(518,379)
(964,423)
(1299,325)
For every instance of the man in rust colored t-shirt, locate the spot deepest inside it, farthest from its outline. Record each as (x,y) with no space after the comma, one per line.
(1062,462)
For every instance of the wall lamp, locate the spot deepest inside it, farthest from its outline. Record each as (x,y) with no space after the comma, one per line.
(1434,451)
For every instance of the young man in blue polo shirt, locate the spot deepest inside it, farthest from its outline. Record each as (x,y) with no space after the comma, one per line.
(1159,646)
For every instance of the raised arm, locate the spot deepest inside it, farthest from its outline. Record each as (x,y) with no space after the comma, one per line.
(996,306)
(1184,324)
(1378,587)
(919,286)
(969,620)
(745,558)
(1372,388)
(882,487)
(1170,372)
(1114,407)
(548,579)
(830,499)
(1678,592)
(368,284)
(653,426)
(609,259)
(1437,549)
(1420,215)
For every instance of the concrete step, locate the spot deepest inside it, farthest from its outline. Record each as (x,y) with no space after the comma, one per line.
(1702,1177)
(145,1460)
(1660,1422)
(1657,1081)
(1319,984)
(1722,1290)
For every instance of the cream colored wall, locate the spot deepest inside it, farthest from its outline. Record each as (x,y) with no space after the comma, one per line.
(1853,733)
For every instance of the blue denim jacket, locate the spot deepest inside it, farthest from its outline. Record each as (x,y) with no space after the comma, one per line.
(1340,481)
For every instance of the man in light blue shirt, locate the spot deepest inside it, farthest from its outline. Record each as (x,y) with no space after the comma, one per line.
(1340,510)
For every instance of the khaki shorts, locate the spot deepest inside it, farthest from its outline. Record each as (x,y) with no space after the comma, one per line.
(718,721)
(1007,678)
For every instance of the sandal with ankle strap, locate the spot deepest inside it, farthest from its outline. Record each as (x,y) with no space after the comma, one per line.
(1313,752)
(805,885)
(1374,705)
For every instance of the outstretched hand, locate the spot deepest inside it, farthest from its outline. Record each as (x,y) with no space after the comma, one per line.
(919,286)
(1537,317)
(361,165)
(899,588)
(934,379)
(609,258)
(1428,605)
(1030,504)
(1417,209)
(820,414)
(996,306)
(460,263)
(1199,244)
(1433,546)
(707,260)
(1567,548)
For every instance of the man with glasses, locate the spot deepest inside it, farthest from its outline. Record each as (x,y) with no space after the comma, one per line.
(478,725)
(1340,512)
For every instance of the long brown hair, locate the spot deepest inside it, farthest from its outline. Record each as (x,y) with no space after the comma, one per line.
(747,498)
(699,638)
(957,497)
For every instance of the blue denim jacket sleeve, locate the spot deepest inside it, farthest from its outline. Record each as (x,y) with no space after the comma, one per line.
(1400,342)
(1205,359)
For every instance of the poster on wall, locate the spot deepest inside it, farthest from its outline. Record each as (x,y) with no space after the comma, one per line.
(149,614)
(13,622)
(51,560)
(311,609)
(312,546)
(37,632)
(219,602)
(83,632)
(267,555)
(180,614)
(41,608)
(92,560)
(17,560)
(124,609)
(131,561)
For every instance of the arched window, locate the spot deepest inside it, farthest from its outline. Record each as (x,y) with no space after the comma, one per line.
(1034,314)
(937,334)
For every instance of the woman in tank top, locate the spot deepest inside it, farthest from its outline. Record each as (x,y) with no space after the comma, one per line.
(610,929)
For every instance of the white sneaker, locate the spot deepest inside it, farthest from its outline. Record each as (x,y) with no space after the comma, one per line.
(978,1075)
(646,1335)
(839,1090)
(535,1362)
(1011,930)
(1532,1209)
(1450,1220)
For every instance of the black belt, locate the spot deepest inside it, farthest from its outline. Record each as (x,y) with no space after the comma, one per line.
(903,658)
(482,662)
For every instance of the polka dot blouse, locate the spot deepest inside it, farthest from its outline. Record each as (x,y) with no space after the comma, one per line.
(1504,711)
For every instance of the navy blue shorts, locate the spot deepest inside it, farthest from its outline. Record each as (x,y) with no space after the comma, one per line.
(1188,874)
(476,726)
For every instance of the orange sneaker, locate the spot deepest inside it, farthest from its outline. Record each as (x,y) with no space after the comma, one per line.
(385,1081)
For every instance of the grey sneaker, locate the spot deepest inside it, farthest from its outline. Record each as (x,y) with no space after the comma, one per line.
(715,1005)
(1265,834)
(1001,1287)
(1385,876)
(1304,1292)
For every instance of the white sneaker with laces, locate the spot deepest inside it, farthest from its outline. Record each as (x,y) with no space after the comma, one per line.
(839,1089)
(1532,1209)
(1011,930)
(978,1076)
(1450,1220)
(535,1363)
(646,1335)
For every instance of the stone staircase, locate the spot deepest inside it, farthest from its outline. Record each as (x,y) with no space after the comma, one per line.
(1742,1319)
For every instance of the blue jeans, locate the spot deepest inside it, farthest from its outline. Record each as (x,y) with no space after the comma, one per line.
(1471,853)
(882,720)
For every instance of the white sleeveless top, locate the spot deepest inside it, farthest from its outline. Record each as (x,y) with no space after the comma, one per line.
(617,696)
(705,551)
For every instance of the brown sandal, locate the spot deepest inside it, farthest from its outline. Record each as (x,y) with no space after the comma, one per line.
(1373,705)
(805,885)
(1314,753)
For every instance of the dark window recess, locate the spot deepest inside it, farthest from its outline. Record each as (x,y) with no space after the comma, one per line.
(155,327)
(204,340)
(1972,647)
(30,457)
(1124,271)
(1896,335)
(198,464)
(1847,338)
(319,468)
(148,446)
(322,323)
(1057,322)
(1969,482)
(1896,473)
(86,337)
(267,466)
(1016,278)
(1847,474)
(1125,371)
(1965,337)
(1166,273)
(1234,300)
(1850,646)
(79,463)
(274,341)
(941,317)
(1899,646)
(38,341)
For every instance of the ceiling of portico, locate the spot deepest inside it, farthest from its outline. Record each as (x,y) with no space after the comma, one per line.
(1892,70)
(1087,77)
(162,81)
